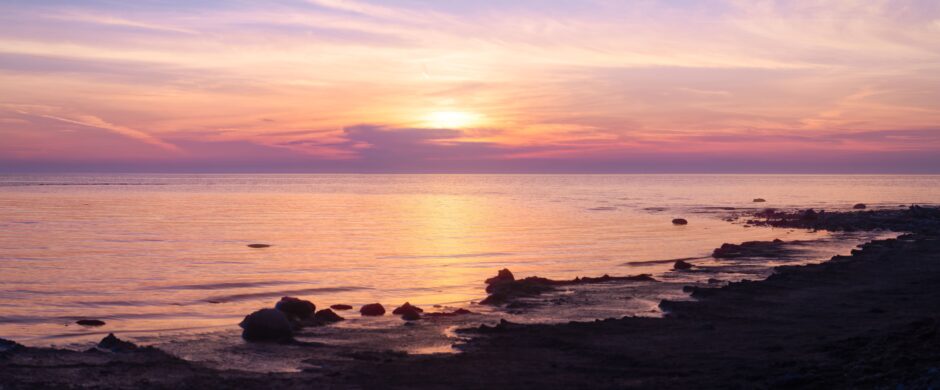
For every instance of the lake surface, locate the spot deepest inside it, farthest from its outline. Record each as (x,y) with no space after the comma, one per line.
(158,256)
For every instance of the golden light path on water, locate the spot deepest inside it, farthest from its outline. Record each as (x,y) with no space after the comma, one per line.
(163,255)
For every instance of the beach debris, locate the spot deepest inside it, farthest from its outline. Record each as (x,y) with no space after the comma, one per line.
(759,200)
(859,206)
(681,265)
(372,309)
(341,307)
(504,288)
(296,307)
(267,325)
(87,322)
(327,316)
(680,221)
(259,246)
(113,344)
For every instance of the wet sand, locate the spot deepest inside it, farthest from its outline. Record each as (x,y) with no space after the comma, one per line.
(868,320)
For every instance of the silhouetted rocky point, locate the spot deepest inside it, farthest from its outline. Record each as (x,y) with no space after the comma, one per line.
(259,246)
(913,219)
(341,307)
(680,221)
(503,288)
(681,265)
(267,325)
(372,309)
(90,322)
(296,307)
(114,344)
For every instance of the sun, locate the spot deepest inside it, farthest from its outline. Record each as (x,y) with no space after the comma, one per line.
(451,119)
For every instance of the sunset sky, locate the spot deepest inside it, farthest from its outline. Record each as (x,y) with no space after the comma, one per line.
(470,86)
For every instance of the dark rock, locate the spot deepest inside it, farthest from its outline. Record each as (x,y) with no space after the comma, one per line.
(759,200)
(9,345)
(680,221)
(327,316)
(859,206)
(296,307)
(267,325)
(504,275)
(259,246)
(406,308)
(372,309)
(750,249)
(90,322)
(114,344)
(341,307)
(681,265)
(410,315)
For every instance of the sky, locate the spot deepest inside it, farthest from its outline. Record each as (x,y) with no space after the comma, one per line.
(543,86)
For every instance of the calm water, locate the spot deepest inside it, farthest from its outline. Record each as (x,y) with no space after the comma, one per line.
(162,255)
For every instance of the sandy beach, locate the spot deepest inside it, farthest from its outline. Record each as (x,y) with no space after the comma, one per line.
(866,320)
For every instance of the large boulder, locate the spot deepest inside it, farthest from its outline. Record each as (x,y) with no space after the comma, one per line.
(267,325)
(296,307)
(372,309)
(408,312)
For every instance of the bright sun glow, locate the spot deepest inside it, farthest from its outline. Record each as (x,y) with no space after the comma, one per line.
(451,119)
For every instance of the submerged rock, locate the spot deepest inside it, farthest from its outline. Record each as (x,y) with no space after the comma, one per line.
(750,249)
(407,307)
(457,312)
(327,316)
(680,221)
(859,206)
(372,309)
(759,200)
(341,307)
(266,325)
(114,344)
(681,265)
(90,322)
(296,307)
(259,246)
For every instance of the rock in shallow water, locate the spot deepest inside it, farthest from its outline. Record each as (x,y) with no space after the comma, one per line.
(680,221)
(341,307)
(372,309)
(114,344)
(296,307)
(759,200)
(681,265)
(266,325)
(90,322)
(859,206)
(259,246)
(327,316)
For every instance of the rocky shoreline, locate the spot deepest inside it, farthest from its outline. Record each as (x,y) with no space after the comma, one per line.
(867,320)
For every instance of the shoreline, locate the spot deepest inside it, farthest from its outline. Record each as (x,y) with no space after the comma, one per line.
(871,319)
